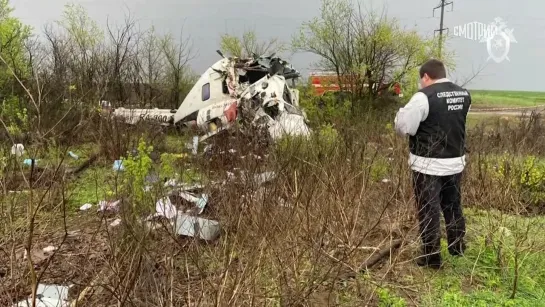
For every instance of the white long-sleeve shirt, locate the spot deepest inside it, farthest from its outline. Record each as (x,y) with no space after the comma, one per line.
(406,123)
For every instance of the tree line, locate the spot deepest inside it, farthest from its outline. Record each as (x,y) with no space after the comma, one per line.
(64,72)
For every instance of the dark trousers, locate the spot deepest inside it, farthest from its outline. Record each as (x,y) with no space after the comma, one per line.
(436,194)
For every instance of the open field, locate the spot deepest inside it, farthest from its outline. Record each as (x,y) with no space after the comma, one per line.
(502,99)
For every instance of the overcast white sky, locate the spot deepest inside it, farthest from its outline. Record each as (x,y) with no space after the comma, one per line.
(205,20)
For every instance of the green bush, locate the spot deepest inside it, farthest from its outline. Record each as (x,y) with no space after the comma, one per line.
(15,116)
(325,109)
(137,168)
(531,180)
(524,175)
(389,299)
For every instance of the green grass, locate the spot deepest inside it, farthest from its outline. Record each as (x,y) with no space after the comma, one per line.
(91,186)
(489,120)
(485,275)
(487,98)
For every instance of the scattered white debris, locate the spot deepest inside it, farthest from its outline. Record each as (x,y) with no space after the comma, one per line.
(200,202)
(29,161)
(17,150)
(386,180)
(48,296)
(171,183)
(191,226)
(290,124)
(115,223)
(282,202)
(118,165)
(232,151)
(207,148)
(73,155)
(85,207)
(264,177)
(195,145)
(391,148)
(49,249)
(108,205)
(164,207)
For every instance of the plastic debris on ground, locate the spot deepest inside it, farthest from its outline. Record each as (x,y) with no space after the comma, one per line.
(195,148)
(85,207)
(73,155)
(165,208)
(171,183)
(200,202)
(108,205)
(207,148)
(290,124)
(118,165)
(264,177)
(115,223)
(18,150)
(29,162)
(193,226)
(188,224)
(386,180)
(48,296)
(49,249)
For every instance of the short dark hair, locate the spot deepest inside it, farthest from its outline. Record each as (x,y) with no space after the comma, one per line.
(434,68)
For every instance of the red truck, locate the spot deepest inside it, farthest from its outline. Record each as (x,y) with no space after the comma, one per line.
(324,82)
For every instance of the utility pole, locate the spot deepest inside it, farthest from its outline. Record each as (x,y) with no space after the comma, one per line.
(441,28)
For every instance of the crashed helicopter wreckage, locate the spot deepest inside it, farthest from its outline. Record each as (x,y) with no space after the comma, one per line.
(254,90)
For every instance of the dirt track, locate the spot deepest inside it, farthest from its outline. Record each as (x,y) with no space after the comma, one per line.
(507,111)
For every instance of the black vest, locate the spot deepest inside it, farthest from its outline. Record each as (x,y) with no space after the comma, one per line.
(442,134)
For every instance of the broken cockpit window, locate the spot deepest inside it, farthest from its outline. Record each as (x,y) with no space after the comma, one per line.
(258,68)
(224,87)
(287,94)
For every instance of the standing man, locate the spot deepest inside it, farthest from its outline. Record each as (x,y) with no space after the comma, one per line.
(435,121)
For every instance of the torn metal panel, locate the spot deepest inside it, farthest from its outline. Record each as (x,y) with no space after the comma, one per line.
(200,202)
(133,116)
(283,124)
(48,296)
(164,207)
(192,226)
